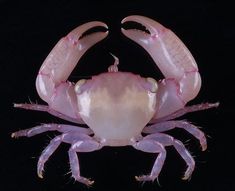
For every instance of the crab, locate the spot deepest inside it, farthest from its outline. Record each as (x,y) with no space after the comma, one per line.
(119,108)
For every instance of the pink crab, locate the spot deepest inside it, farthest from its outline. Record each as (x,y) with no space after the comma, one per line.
(120,108)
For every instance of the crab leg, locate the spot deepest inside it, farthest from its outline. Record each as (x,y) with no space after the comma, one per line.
(167,140)
(80,142)
(187,126)
(86,145)
(46,108)
(47,152)
(152,146)
(51,80)
(185,110)
(173,59)
(50,127)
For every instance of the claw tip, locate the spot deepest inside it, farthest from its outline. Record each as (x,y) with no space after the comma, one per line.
(130,18)
(123,20)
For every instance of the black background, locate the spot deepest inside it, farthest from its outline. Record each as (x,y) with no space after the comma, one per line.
(29,30)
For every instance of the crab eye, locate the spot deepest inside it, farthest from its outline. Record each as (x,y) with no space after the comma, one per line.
(153,86)
(78,86)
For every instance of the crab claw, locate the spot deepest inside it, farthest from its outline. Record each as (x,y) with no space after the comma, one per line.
(64,57)
(169,53)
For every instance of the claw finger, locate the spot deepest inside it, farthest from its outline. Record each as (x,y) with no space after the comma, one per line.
(76,33)
(141,37)
(152,26)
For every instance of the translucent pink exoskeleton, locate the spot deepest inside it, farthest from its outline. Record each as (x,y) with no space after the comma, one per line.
(120,108)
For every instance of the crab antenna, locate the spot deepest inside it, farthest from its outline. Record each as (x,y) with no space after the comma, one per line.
(114,67)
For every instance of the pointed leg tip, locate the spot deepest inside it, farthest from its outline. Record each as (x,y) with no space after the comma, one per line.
(13,135)
(209,105)
(17,104)
(40,175)
(16,135)
(137,178)
(144,178)
(90,183)
(87,182)
(186,178)
(203,143)
(40,172)
(188,174)
(204,147)
(84,180)
(216,104)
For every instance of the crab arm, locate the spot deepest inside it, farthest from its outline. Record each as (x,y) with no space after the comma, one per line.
(171,56)
(51,83)
(63,58)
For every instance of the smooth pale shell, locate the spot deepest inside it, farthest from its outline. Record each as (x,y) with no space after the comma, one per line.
(116,107)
